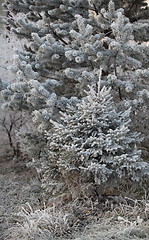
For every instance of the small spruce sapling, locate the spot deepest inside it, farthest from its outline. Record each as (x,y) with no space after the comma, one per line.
(93,144)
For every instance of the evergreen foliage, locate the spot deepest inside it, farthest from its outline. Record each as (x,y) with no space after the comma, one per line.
(69,49)
(67,43)
(93,141)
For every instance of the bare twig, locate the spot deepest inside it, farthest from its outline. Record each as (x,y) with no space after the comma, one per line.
(10,123)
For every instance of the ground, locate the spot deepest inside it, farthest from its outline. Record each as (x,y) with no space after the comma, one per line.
(15,182)
(19,188)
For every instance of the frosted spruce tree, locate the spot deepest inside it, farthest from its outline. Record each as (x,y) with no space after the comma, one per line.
(67,42)
(124,62)
(40,81)
(92,147)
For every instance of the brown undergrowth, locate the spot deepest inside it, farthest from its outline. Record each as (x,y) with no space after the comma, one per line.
(116,218)
(24,217)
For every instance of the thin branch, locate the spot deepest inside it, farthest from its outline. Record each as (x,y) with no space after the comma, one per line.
(120,94)
(95,8)
(131,6)
(115,70)
(91,64)
(59,38)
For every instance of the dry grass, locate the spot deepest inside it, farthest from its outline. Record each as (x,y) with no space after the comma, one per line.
(123,222)
(46,224)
